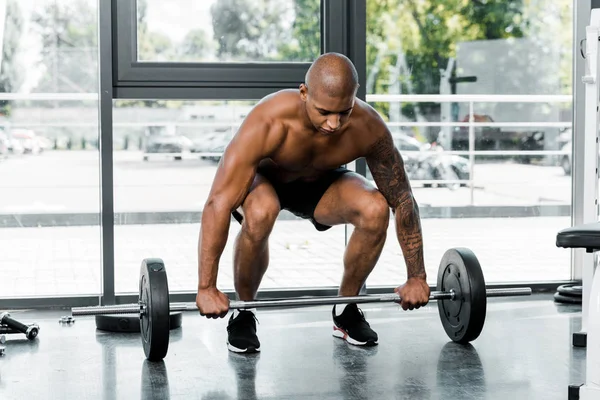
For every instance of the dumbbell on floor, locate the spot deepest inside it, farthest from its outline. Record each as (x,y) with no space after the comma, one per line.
(462,301)
(31,331)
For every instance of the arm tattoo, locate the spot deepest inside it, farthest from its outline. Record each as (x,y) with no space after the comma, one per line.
(387,168)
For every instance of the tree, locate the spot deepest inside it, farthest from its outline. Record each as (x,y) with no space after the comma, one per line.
(196,46)
(11,70)
(422,36)
(68,32)
(251,30)
(306,33)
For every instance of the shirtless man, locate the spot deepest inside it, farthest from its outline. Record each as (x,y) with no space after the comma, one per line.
(288,155)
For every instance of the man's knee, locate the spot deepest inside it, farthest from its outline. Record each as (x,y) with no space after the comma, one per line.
(259,218)
(374,213)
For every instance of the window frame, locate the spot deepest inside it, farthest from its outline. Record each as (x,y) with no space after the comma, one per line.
(182,79)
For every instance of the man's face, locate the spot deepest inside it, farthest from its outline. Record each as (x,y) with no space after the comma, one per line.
(327,114)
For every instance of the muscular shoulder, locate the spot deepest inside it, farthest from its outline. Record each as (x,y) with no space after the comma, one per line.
(266,124)
(369,127)
(279,106)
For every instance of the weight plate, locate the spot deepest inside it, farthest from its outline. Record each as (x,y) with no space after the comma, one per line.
(570,290)
(462,318)
(559,298)
(129,323)
(154,322)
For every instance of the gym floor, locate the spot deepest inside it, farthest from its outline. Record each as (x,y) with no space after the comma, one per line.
(524,352)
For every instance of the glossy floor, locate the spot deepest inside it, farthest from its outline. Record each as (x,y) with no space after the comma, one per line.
(524,352)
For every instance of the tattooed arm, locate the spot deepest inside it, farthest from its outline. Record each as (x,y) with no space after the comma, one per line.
(387,168)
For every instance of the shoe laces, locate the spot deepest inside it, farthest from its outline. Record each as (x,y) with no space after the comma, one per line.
(355,314)
(242,318)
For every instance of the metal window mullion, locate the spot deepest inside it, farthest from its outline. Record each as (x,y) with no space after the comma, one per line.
(149,74)
(105,121)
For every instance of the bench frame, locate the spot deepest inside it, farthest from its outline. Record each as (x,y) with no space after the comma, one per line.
(585,259)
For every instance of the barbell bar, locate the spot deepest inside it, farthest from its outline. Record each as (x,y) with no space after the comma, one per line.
(135,308)
(461,294)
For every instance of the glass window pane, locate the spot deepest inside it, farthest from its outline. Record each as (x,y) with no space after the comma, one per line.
(49,159)
(228,30)
(166,156)
(488,173)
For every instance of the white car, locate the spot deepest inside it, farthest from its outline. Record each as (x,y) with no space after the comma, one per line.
(565,160)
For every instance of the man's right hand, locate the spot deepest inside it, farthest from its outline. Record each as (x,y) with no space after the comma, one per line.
(212,303)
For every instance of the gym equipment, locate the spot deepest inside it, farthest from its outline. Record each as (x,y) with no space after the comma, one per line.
(571,294)
(10,325)
(570,290)
(66,319)
(561,298)
(2,349)
(586,140)
(131,323)
(587,236)
(463,319)
(460,282)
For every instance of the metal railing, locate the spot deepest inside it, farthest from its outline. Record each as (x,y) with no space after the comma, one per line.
(232,125)
(472,124)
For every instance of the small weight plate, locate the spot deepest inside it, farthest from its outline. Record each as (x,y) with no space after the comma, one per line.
(462,318)
(154,323)
(560,298)
(129,323)
(570,290)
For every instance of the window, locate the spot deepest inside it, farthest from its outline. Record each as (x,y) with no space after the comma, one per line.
(224,47)
(49,159)
(486,91)
(228,30)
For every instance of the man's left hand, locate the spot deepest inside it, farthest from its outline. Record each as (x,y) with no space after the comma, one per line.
(413,294)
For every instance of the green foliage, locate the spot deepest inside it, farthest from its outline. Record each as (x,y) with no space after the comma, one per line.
(11,70)
(68,32)
(306,42)
(426,33)
(251,30)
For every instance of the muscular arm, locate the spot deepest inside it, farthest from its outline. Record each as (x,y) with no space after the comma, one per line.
(387,168)
(256,139)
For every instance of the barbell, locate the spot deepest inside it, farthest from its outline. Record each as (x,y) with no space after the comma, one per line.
(461,295)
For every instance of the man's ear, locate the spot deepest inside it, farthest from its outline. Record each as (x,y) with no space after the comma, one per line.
(303,91)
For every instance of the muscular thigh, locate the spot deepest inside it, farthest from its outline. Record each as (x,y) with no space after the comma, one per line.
(261,198)
(345,199)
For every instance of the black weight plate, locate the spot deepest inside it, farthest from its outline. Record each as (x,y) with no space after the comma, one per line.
(462,318)
(559,298)
(570,290)
(129,323)
(154,322)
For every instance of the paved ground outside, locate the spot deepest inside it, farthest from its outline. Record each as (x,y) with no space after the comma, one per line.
(66,260)
(69,182)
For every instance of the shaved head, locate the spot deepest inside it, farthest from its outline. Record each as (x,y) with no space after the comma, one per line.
(333,74)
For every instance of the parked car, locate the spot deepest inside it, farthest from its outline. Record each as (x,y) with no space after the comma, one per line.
(496,138)
(173,145)
(565,161)
(3,145)
(214,142)
(424,162)
(31,143)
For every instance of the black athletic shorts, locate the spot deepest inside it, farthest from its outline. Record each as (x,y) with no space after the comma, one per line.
(301,198)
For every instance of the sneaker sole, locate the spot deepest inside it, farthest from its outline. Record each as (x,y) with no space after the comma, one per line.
(342,334)
(246,350)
